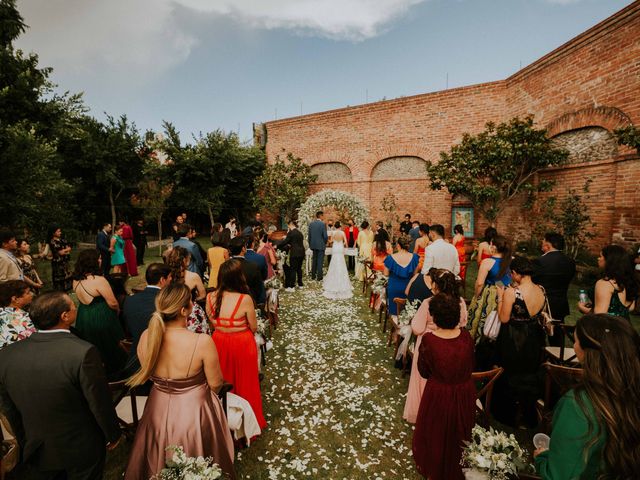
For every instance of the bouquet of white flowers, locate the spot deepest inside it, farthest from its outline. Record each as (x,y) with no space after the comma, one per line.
(495,453)
(408,312)
(181,467)
(379,284)
(273,283)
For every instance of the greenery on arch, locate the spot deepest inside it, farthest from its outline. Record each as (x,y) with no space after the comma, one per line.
(342,201)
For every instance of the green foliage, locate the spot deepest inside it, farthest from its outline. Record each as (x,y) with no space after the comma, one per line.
(390,209)
(283,186)
(496,165)
(215,171)
(629,136)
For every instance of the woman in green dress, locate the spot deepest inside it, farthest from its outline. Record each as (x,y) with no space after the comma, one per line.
(117,250)
(596,426)
(97,321)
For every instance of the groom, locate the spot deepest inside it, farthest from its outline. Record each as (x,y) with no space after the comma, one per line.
(317,242)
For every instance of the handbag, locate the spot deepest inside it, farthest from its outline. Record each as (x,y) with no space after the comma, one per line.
(548,321)
(492,325)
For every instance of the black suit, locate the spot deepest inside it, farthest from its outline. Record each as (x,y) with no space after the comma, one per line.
(294,244)
(254,280)
(102,244)
(136,313)
(54,391)
(554,271)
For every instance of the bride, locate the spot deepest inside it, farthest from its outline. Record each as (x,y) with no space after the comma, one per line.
(336,283)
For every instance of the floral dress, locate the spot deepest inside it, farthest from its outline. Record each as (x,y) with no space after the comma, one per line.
(28,268)
(15,325)
(60,272)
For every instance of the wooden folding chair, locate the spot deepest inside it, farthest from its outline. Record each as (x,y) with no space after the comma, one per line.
(369,276)
(563,355)
(394,325)
(127,412)
(222,395)
(558,381)
(485,382)
(407,360)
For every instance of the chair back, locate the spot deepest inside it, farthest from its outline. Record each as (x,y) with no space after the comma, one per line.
(558,381)
(119,391)
(485,382)
(400,303)
(566,333)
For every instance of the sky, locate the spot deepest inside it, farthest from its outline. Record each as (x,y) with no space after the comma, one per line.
(224,64)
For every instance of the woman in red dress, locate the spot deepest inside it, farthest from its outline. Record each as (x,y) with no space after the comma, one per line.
(458,242)
(234,317)
(447,410)
(129,250)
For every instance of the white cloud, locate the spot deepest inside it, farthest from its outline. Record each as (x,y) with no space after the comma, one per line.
(141,38)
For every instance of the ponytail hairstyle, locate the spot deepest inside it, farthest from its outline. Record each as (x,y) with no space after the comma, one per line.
(503,247)
(176,262)
(169,302)
(611,381)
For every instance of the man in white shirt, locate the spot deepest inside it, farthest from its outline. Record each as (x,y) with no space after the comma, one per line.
(440,254)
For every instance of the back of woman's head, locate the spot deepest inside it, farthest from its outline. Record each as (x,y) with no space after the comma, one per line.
(364,225)
(445,281)
(337,225)
(380,242)
(10,289)
(404,242)
(611,381)
(618,266)
(445,310)
(171,302)
(522,265)
(231,279)
(51,231)
(458,229)
(88,263)
(424,228)
(176,259)
(217,239)
(489,234)
(503,247)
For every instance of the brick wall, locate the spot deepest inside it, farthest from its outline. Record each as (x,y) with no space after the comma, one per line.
(578,91)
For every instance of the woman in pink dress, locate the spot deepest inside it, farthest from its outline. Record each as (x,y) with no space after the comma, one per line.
(442,281)
(183,408)
(447,410)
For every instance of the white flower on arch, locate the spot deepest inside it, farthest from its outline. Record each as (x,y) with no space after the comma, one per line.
(330,198)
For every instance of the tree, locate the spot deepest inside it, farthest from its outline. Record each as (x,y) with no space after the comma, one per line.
(629,136)
(283,186)
(497,165)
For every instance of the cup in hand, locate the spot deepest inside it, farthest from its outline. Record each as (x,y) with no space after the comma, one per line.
(541,440)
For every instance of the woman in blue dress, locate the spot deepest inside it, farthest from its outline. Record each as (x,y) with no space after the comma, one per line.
(399,267)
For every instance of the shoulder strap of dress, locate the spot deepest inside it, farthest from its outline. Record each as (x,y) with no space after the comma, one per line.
(192,354)
(235,310)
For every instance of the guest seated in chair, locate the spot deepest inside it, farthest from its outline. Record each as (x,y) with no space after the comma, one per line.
(596,425)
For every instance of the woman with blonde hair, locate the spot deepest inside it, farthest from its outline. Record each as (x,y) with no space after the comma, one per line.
(183,408)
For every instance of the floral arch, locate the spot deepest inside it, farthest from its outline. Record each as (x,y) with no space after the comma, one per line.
(330,198)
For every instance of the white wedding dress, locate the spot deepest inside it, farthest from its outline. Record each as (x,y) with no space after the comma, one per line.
(336,284)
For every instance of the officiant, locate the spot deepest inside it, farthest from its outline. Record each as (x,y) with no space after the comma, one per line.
(351,233)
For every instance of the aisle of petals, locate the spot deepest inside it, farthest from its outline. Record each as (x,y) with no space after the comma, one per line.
(333,399)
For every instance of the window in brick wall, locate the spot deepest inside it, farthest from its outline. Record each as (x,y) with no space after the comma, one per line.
(400,168)
(589,144)
(331,172)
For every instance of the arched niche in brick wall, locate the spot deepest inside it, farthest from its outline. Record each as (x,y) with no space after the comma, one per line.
(332,172)
(588,144)
(400,168)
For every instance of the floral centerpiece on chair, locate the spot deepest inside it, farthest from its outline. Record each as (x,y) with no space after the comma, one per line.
(493,455)
(380,283)
(181,467)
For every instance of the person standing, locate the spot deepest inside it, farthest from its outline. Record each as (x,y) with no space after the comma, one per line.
(139,240)
(318,243)
(54,392)
(60,259)
(458,242)
(216,256)
(351,235)
(379,228)
(440,254)
(254,257)
(365,243)
(103,244)
(405,226)
(196,265)
(29,272)
(232,227)
(238,249)
(9,265)
(117,251)
(175,226)
(129,250)
(294,244)
(554,272)
(414,233)
(421,244)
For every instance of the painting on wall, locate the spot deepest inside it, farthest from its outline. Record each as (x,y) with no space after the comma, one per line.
(463,216)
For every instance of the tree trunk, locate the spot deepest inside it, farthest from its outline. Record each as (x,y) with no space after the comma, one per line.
(210,216)
(160,235)
(112,203)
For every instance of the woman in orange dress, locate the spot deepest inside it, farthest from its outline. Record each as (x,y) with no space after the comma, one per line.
(458,242)
(381,248)
(485,249)
(233,314)
(422,243)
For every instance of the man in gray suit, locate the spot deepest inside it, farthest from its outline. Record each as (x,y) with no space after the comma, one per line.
(317,242)
(54,391)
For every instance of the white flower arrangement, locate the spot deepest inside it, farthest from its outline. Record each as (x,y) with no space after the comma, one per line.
(408,312)
(273,283)
(330,198)
(262,325)
(379,284)
(181,467)
(494,452)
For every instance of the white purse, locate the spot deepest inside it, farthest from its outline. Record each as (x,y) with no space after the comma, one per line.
(492,325)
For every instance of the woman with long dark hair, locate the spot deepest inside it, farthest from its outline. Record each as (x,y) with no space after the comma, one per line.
(596,426)
(494,272)
(617,291)
(97,319)
(381,248)
(458,242)
(60,259)
(233,314)
(485,249)
(183,408)
(399,267)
